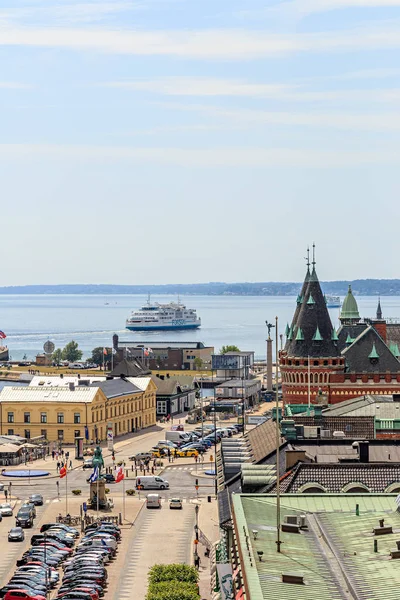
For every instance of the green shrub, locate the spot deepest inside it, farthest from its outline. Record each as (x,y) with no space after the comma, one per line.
(107,490)
(174,572)
(77,492)
(173,590)
(130,492)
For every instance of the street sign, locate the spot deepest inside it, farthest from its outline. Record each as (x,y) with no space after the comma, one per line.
(84,506)
(110,438)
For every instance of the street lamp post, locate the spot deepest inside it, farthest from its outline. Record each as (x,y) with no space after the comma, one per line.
(243,408)
(215,449)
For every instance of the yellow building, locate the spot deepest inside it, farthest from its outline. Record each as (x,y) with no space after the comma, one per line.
(60,409)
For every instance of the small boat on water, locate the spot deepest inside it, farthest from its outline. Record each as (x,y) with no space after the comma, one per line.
(155,317)
(333,301)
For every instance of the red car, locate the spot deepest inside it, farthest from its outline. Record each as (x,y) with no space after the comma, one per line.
(22,595)
(81,588)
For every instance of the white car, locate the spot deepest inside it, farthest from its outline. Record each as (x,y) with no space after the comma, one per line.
(175,503)
(6,510)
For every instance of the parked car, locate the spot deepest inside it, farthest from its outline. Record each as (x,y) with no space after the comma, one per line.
(23,594)
(88,463)
(29,506)
(6,509)
(186,452)
(140,456)
(36,499)
(16,534)
(175,503)
(153,501)
(24,518)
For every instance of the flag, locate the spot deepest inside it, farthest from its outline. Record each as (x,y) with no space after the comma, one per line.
(86,432)
(94,476)
(114,351)
(2,335)
(120,475)
(105,351)
(149,350)
(63,471)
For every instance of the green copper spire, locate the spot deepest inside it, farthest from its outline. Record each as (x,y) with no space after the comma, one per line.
(394,349)
(299,299)
(349,310)
(317,337)
(373,353)
(299,335)
(310,301)
(349,339)
(290,334)
(334,336)
(287,329)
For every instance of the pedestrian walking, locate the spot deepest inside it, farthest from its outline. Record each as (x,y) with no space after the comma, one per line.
(53,454)
(70,463)
(58,466)
(197,561)
(67,455)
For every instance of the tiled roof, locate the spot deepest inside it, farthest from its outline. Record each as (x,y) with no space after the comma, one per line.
(113,388)
(262,440)
(48,381)
(334,478)
(169,385)
(351,331)
(53,394)
(335,543)
(358,354)
(141,382)
(130,368)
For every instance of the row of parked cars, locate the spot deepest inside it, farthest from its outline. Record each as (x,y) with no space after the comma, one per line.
(36,572)
(85,574)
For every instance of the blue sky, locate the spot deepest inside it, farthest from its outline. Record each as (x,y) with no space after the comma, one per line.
(155,141)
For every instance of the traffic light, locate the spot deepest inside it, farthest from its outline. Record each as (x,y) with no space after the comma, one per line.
(196,484)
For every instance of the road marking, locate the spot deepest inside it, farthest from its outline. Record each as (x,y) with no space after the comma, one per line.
(47,501)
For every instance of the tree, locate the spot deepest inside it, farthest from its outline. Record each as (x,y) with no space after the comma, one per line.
(71,352)
(57,356)
(226,349)
(98,354)
(198,362)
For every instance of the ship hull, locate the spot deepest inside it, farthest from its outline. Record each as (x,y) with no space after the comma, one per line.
(156,327)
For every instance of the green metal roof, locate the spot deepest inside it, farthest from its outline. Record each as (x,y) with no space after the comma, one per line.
(299,299)
(317,337)
(346,536)
(310,300)
(349,339)
(287,329)
(373,353)
(349,307)
(394,349)
(299,335)
(290,335)
(334,335)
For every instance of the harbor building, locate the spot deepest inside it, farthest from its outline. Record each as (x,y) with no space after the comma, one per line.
(321,365)
(174,356)
(61,411)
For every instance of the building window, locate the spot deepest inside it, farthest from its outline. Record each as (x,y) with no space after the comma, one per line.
(43,417)
(77,433)
(43,433)
(27,418)
(28,434)
(10,417)
(162,407)
(60,417)
(60,434)
(349,427)
(77,418)
(10,432)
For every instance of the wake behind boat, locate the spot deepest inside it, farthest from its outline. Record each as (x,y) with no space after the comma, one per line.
(155,317)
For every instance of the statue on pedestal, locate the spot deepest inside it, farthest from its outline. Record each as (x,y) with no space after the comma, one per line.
(98,459)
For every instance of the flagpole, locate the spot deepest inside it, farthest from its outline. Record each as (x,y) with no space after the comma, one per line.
(123,498)
(103,361)
(66,493)
(97,484)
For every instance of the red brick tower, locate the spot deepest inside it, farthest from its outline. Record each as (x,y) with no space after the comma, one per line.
(311,351)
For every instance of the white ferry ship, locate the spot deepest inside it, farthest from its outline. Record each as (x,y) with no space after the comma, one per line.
(155,316)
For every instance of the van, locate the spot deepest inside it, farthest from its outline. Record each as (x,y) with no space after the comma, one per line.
(176,436)
(151,482)
(153,501)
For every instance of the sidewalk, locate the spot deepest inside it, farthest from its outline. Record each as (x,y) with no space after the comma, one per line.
(208,526)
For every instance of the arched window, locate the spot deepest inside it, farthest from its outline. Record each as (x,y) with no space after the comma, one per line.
(301,378)
(355,488)
(393,488)
(312,487)
(311,378)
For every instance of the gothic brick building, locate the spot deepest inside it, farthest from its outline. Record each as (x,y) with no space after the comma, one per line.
(329,366)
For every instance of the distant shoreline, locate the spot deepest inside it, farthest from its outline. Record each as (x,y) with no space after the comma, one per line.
(361,287)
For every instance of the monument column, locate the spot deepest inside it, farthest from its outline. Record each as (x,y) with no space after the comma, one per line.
(269,359)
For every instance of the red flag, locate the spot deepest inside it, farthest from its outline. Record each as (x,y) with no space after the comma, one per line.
(120,475)
(2,335)
(63,471)
(105,351)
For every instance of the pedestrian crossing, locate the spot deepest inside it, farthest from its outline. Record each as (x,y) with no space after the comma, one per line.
(182,468)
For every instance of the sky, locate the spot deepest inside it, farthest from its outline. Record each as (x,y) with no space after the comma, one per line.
(177,141)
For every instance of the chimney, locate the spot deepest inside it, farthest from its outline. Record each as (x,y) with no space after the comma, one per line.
(364,451)
(380,327)
(61,376)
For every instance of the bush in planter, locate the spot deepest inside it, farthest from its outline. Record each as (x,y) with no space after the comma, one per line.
(173,572)
(173,590)
(107,490)
(130,492)
(77,492)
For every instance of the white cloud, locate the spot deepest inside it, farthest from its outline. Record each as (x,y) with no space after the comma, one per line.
(213,87)
(68,13)
(306,7)
(229,44)
(386,122)
(202,157)
(14,85)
